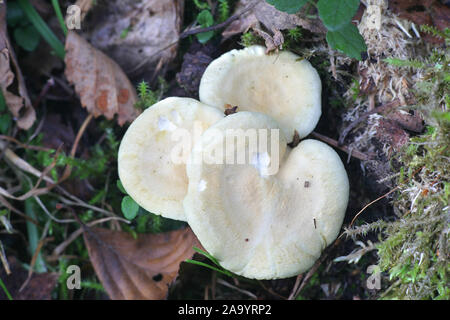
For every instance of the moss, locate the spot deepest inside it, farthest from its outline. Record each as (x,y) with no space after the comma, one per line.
(413,249)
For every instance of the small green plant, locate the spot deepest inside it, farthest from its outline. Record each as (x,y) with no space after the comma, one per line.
(41,27)
(205,17)
(5,117)
(248,39)
(24,33)
(336,15)
(413,249)
(148,97)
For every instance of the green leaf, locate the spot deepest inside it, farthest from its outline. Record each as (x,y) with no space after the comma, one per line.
(288,6)
(2,102)
(42,27)
(129,208)
(347,40)
(5,123)
(5,290)
(14,14)
(27,37)
(337,13)
(223,271)
(206,254)
(120,187)
(205,19)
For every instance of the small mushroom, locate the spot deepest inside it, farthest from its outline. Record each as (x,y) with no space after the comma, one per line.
(265,226)
(282,85)
(147,168)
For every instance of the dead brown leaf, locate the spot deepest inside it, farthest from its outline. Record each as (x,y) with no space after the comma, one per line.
(195,61)
(39,286)
(273,20)
(18,103)
(85,6)
(101,84)
(138,34)
(140,268)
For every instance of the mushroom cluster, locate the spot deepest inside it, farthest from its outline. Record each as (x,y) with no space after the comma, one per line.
(269,216)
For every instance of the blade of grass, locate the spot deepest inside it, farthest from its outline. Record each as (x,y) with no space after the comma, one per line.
(2,102)
(60,16)
(42,28)
(206,254)
(33,237)
(225,272)
(5,290)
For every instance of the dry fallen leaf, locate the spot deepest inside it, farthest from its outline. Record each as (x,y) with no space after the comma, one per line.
(19,104)
(101,84)
(137,34)
(272,19)
(139,268)
(39,286)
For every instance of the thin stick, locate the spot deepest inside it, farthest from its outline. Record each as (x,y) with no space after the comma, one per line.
(354,153)
(61,247)
(25,146)
(4,259)
(68,169)
(295,288)
(370,203)
(226,284)
(190,32)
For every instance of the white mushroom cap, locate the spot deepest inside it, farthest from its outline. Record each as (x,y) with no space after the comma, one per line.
(146,167)
(282,85)
(266,226)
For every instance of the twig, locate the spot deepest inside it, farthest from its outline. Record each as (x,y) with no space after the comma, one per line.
(4,259)
(6,204)
(68,169)
(62,246)
(25,146)
(49,214)
(295,288)
(36,254)
(354,153)
(190,32)
(50,83)
(226,284)
(316,266)
(378,199)
(271,291)
(370,203)
(23,165)
(35,190)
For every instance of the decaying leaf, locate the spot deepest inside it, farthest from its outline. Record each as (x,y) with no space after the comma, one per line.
(138,34)
(85,6)
(194,64)
(39,286)
(101,84)
(139,268)
(18,103)
(272,19)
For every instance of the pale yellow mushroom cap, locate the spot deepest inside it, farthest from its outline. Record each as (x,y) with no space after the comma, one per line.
(280,85)
(265,226)
(147,150)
